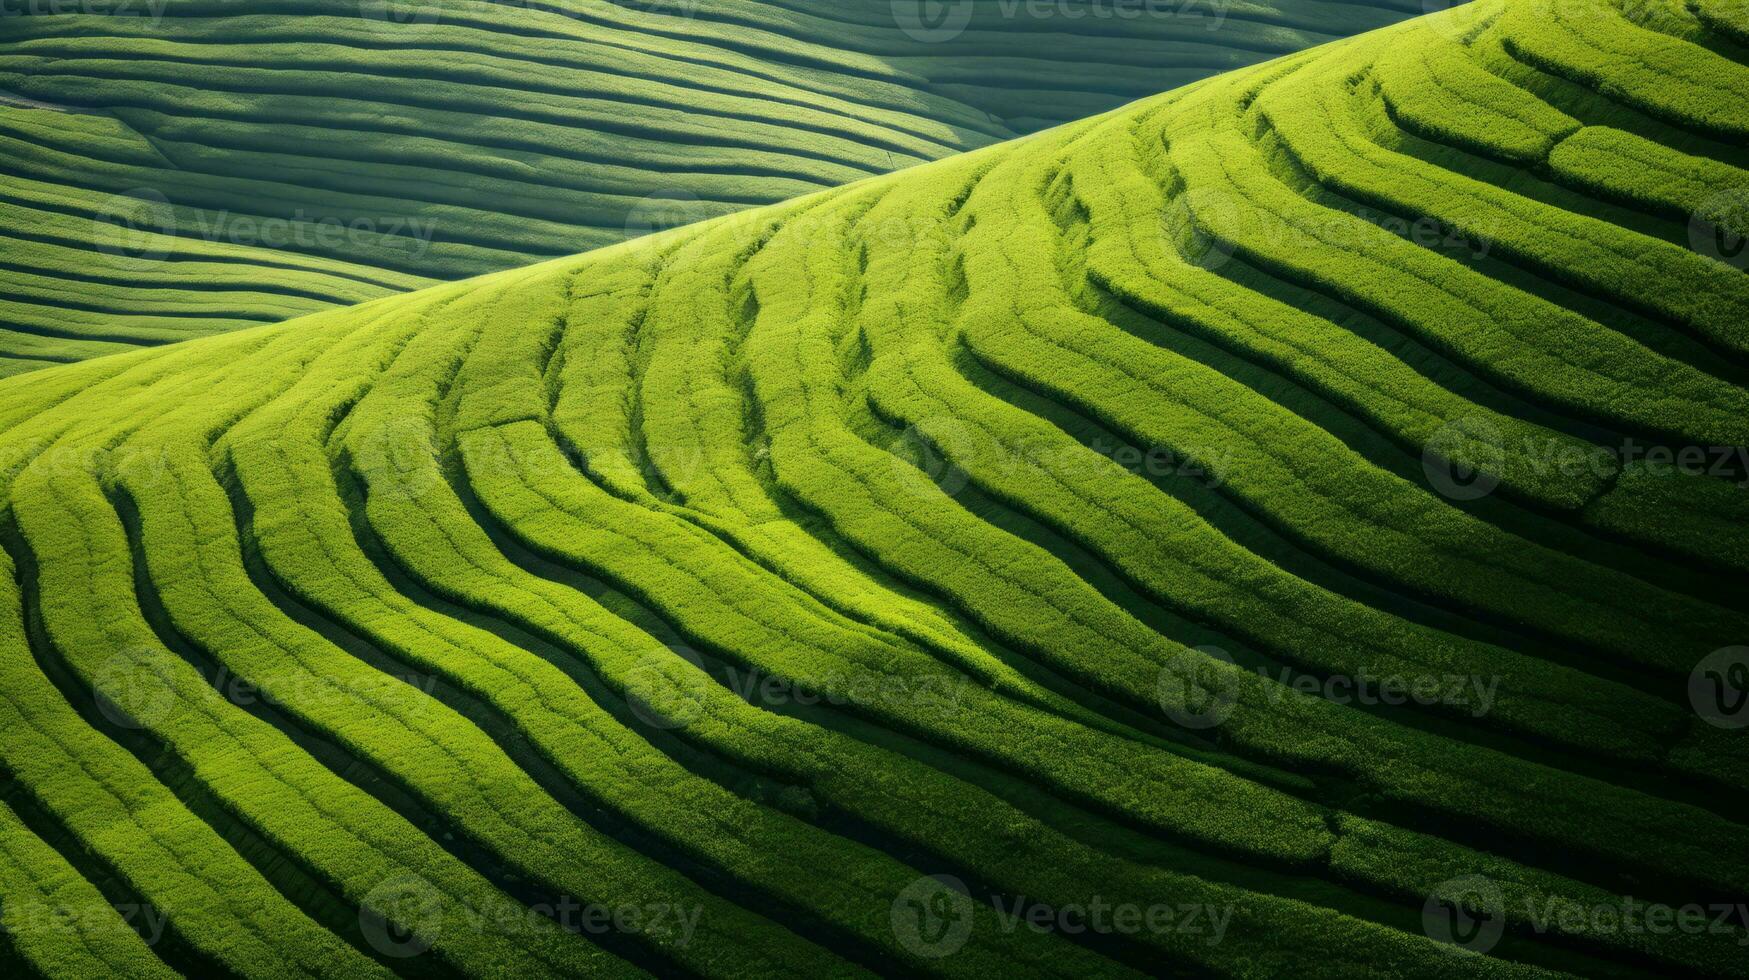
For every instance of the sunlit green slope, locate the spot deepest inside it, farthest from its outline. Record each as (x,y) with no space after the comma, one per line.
(1123,517)
(175,168)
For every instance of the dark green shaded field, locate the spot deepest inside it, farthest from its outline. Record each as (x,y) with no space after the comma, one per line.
(178,168)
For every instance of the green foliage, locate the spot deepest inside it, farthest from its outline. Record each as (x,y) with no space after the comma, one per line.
(1031,516)
(59,922)
(112,805)
(332,151)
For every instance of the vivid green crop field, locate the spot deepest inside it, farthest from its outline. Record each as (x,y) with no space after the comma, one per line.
(1293,525)
(179,168)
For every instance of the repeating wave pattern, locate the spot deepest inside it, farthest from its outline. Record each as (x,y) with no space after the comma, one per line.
(1056,519)
(179,168)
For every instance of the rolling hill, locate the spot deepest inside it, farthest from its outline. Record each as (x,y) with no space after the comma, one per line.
(1301,509)
(179,168)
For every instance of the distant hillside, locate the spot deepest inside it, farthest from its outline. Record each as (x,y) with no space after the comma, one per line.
(1254,509)
(186,167)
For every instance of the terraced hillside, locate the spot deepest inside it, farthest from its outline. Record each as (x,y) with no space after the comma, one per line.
(177,168)
(1034,519)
